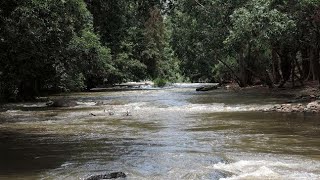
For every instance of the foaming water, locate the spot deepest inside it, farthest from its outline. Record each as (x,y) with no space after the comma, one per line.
(272,168)
(174,133)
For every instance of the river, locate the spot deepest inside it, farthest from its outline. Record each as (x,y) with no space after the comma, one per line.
(173,133)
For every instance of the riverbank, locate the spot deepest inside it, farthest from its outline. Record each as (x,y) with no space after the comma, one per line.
(286,100)
(302,99)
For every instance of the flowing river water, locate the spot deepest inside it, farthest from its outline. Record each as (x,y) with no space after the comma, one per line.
(174,133)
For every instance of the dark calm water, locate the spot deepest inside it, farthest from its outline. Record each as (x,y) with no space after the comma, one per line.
(169,134)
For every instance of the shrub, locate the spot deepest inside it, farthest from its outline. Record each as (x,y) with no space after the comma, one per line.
(160,82)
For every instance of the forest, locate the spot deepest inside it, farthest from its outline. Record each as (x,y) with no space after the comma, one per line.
(74,45)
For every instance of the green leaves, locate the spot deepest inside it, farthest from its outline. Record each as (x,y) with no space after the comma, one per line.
(90,58)
(258,22)
(41,40)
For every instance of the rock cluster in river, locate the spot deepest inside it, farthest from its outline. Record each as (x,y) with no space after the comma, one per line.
(313,107)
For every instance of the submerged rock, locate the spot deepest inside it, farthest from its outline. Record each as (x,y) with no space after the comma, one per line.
(92,114)
(113,175)
(62,103)
(219,174)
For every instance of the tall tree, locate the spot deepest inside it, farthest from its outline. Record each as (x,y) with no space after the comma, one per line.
(35,40)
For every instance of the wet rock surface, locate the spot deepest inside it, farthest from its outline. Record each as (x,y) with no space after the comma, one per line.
(312,107)
(114,175)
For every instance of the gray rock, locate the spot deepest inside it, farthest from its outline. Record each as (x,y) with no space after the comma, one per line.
(314,106)
(113,175)
(310,107)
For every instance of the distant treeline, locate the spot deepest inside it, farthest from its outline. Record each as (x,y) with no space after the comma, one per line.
(74,45)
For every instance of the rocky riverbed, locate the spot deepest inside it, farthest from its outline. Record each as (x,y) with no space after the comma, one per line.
(304,99)
(312,107)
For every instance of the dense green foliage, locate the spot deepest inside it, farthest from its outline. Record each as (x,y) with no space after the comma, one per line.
(72,45)
(48,45)
(248,40)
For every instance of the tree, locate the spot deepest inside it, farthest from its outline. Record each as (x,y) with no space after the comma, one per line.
(35,38)
(199,30)
(135,32)
(255,28)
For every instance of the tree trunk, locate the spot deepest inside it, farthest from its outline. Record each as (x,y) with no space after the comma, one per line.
(301,78)
(244,65)
(315,64)
(305,63)
(243,70)
(315,57)
(275,67)
(232,72)
(286,67)
(318,68)
(293,71)
(268,80)
(28,90)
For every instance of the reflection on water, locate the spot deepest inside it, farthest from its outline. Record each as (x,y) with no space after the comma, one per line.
(169,134)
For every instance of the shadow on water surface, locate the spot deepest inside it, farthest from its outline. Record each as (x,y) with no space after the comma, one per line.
(240,97)
(27,153)
(21,153)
